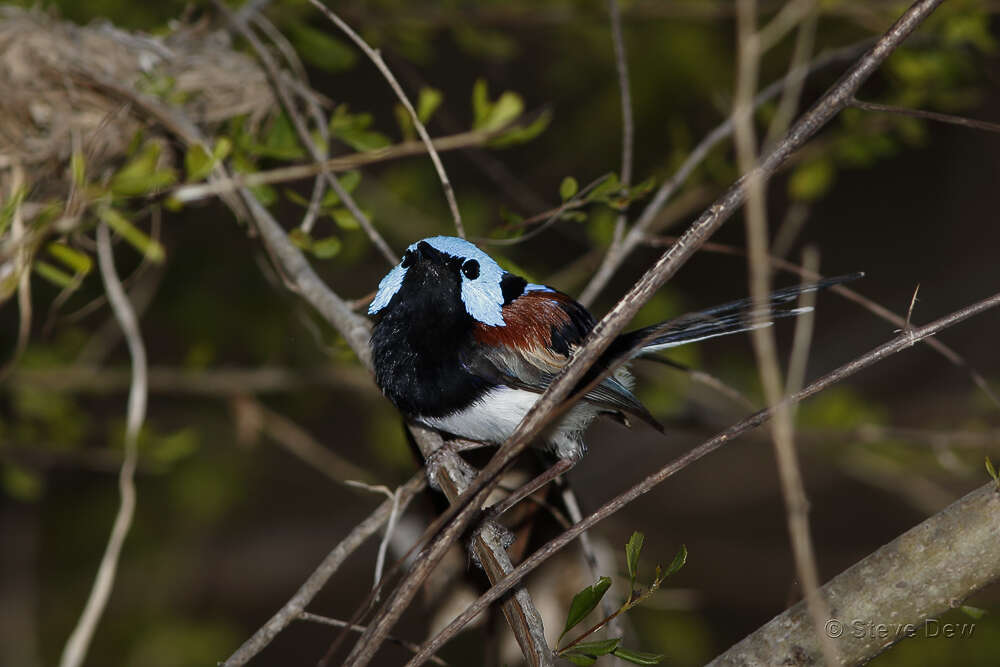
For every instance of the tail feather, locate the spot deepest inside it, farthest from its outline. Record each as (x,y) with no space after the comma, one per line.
(723,320)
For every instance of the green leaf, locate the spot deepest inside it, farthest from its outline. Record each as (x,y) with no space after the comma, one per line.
(57,277)
(319,48)
(141,175)
(637,657)
(991,469)
(405,122)
(345,219)
(580,659)
(594,648)
(353,130)
(326,248)
(197,162)
(427,103)
(679,560)
(480,102)
(147,246)
(20,483)
(605,188)
(568,188)
(584,602)
(632,550)
(300,238)
(78,261)
(519,134)
(974,613)
(78,168)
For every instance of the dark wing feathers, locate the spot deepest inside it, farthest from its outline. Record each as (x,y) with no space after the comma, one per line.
(541,329)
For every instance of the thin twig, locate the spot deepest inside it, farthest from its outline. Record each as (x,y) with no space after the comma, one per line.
(751,47)
(462,512)
(628,124)
(379,63)
(353,627)
(927,115)
(340,163)
(78,643)
(617,503)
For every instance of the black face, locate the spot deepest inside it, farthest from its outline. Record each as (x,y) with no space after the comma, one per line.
(421,333)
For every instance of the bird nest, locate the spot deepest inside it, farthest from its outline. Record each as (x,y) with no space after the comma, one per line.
(72,89)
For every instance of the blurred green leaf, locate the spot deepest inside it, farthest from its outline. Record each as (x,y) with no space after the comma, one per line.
(584,602)
(142,175)
(20,483)
(326,248)
(568,188)
(811,180)
(345,219)
(57,277)
(353,130)
(78,261)
(583,660)
(349,180)
(427,103)
(300,238)
(992,470)
(519,134)
(974,613)
(637,657)
(320,48)
(138,238)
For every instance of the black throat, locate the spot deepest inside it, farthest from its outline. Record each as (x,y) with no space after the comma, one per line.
(418,343)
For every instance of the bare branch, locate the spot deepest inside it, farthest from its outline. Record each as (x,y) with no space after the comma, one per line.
(919,575)
(78,643)
(628,125)
(379,63)
(620,501)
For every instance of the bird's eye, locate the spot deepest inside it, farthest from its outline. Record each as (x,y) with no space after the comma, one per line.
(407,259)
(471,269)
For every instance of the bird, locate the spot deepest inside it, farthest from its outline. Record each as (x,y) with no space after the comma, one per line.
(464,347)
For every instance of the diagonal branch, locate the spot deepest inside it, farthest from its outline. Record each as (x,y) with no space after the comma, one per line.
(831,103)
(919,575)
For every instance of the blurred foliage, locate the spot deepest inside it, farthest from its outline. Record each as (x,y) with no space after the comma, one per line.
(214,302)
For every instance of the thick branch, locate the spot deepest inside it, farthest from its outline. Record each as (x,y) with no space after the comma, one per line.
(919,575)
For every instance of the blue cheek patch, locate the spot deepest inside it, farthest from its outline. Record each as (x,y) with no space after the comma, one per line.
(387,289)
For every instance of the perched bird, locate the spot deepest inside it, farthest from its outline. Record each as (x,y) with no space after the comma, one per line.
(464,347)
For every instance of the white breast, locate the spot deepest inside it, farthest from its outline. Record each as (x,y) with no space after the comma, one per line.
(497,413)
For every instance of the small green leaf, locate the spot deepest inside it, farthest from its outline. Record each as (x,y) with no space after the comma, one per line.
(353,130)
(345,219)
(594,648)
(503,111)
(480,102)
(319,48)
(78,261)
(974,613)
(580,659)
(147,246)
(584,602)
(519,134)
(349,180)
(568,188)
(141,175)
(300,238)
(427,103)
(197,162)
(632,550)
(637,657)
(405,122)
(678,562)
(991,469)
(57,277)
(78,168)
(326,248)
(605,188)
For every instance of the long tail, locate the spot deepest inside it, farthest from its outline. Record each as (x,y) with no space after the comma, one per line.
(729,318)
